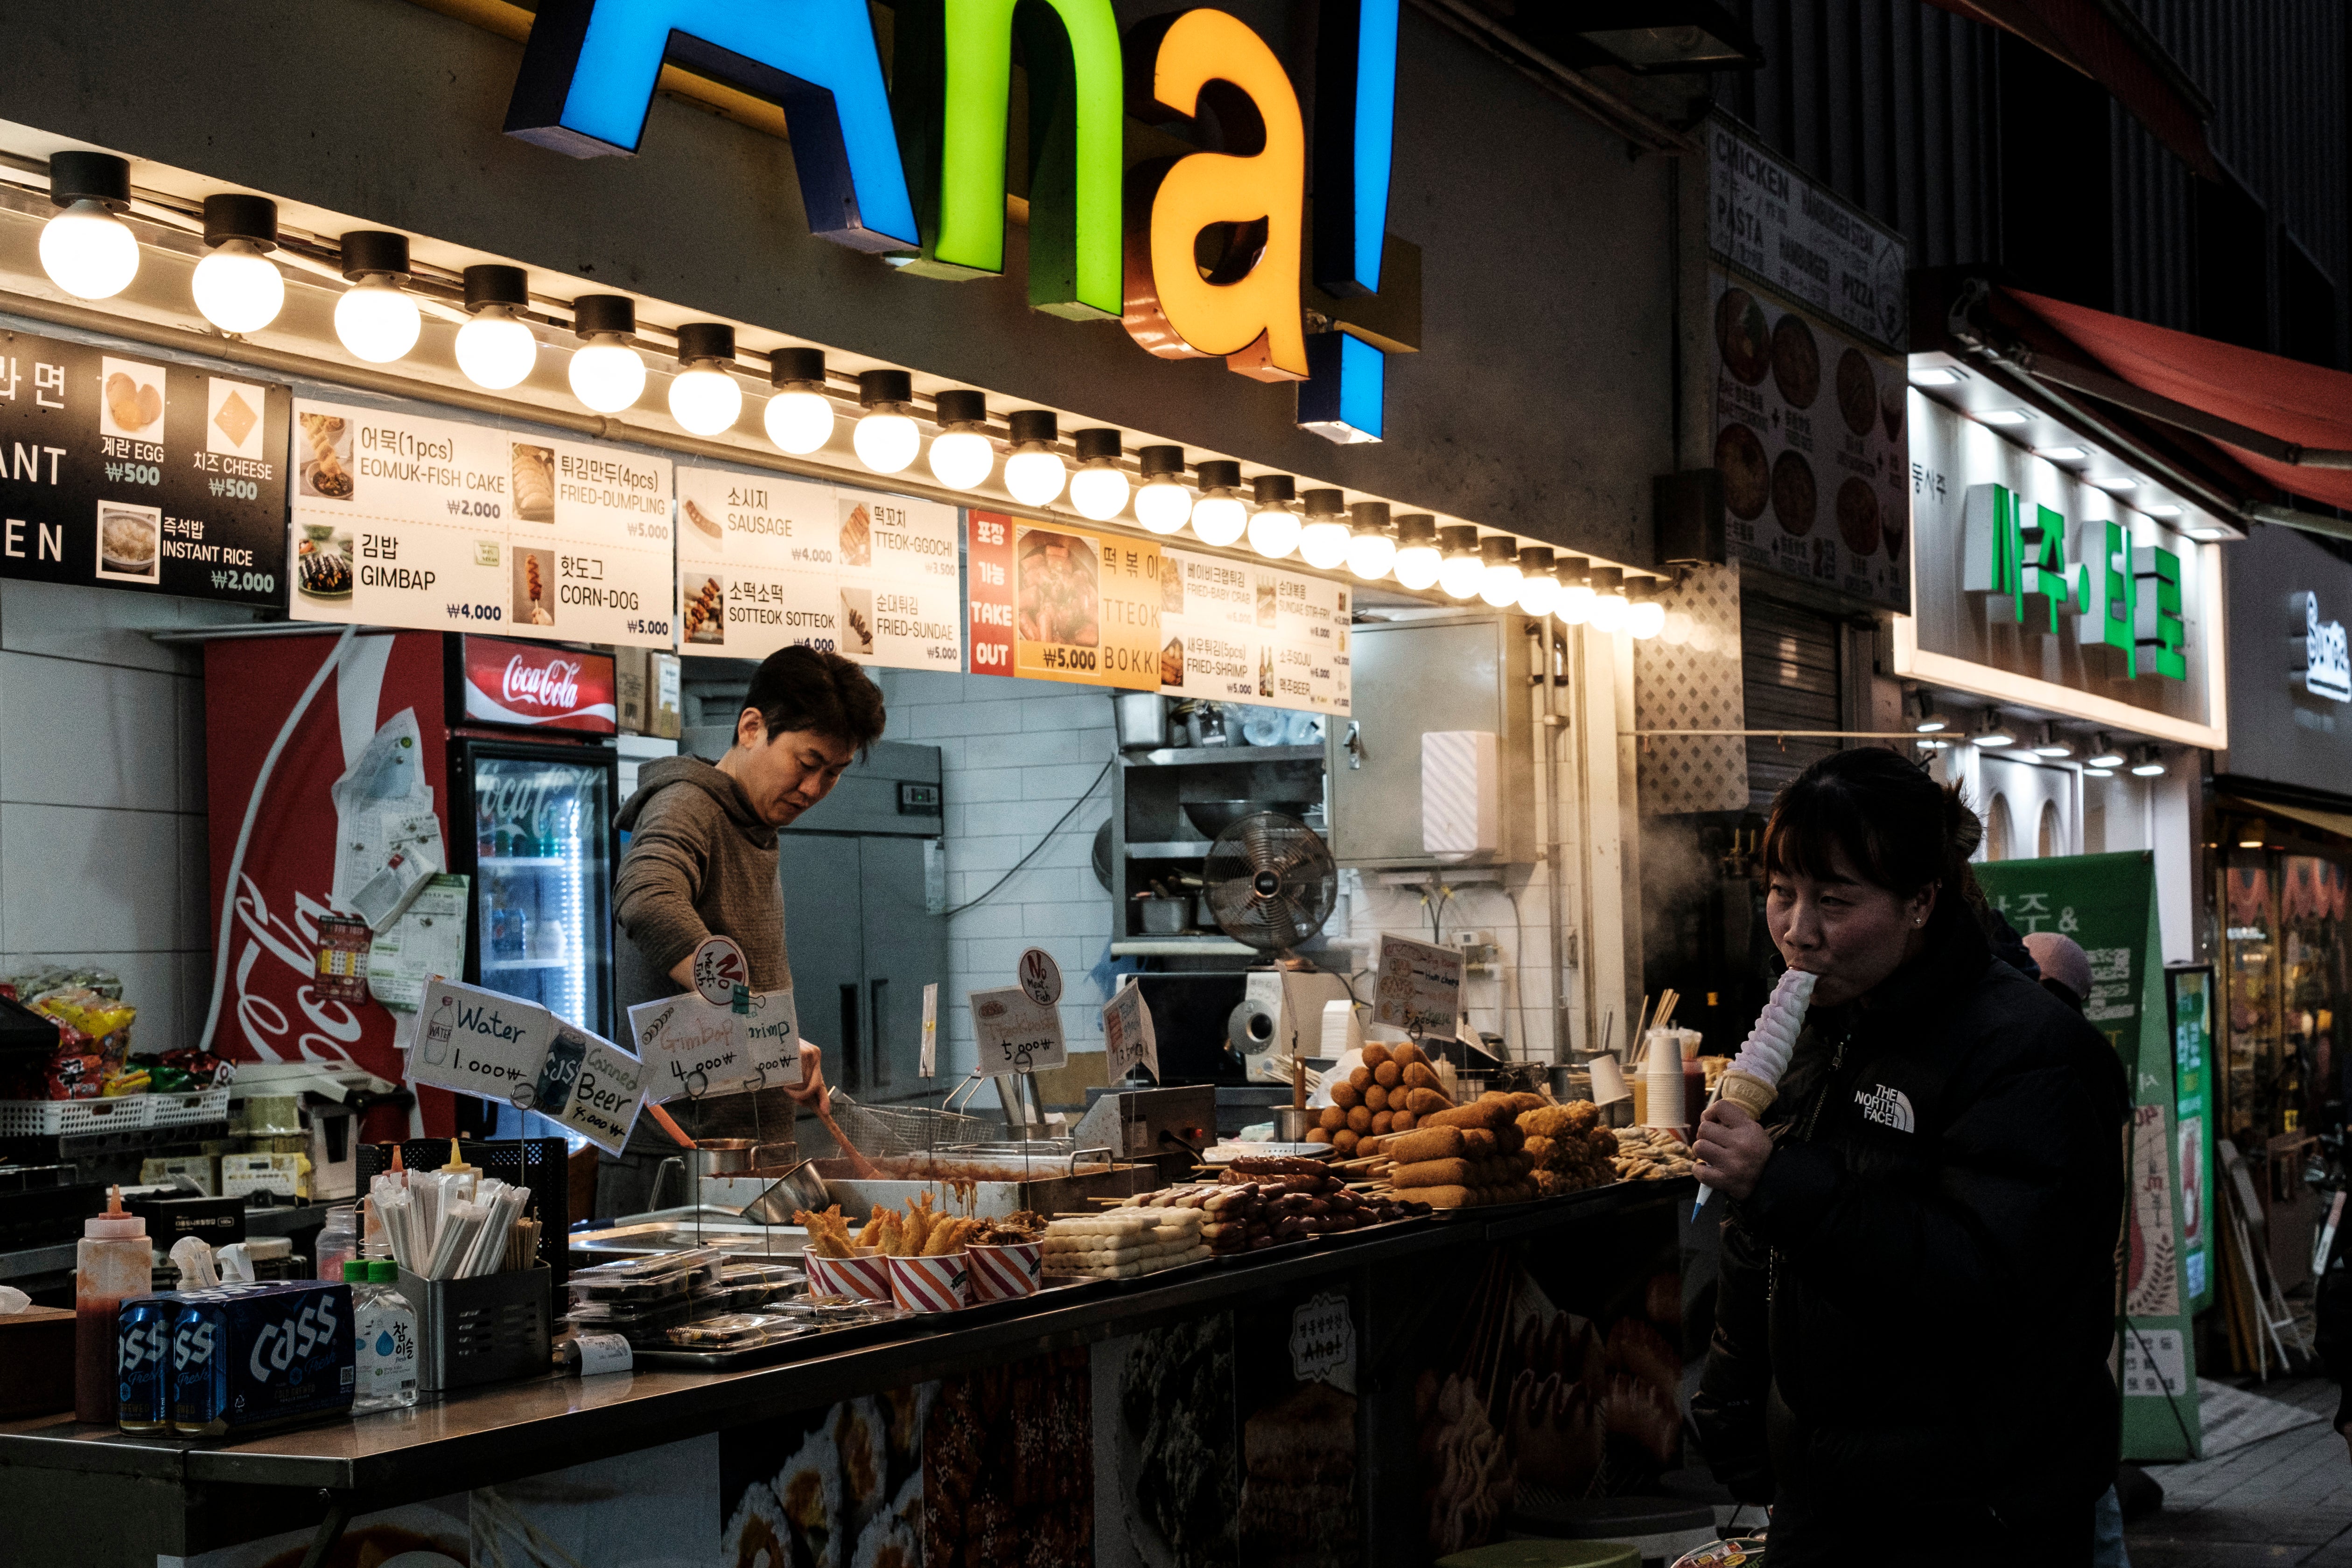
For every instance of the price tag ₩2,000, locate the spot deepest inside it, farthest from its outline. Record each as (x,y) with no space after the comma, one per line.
(1016,1034)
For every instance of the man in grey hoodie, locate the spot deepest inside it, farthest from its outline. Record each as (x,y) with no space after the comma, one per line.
(701,862)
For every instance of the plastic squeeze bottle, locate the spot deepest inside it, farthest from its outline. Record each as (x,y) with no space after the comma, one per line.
(112,1261)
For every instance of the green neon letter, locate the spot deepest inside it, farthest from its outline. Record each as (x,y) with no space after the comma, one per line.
(953,88)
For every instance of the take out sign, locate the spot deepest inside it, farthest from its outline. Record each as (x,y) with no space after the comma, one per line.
(915,168)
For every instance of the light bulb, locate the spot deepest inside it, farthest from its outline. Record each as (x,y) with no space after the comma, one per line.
(1273,531)
(375,321)
(88,252)
(496,350)
(606,374)
(962,459)
(799,422)
(1539,591)
(1098,491)
(1609,612)
(1575,605)
(1461,575)
(1219,520)
(1499,581)
(1676,631)
(1644,619)
(1035,475)
(1370,555)
(886,443)
(1162,506)
(1323,542)
(238,288)
(705,400)
(1417,566)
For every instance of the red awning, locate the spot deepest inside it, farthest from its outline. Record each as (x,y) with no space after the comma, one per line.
(2103,44)
(2303,405)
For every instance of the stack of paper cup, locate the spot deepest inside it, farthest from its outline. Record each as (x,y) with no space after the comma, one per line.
(1662,1078)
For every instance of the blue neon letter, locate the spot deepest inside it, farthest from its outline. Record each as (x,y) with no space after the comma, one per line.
(588,74)
(1355,141)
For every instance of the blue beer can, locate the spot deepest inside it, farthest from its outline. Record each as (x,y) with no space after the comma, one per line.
(251,1356)
(142,1364)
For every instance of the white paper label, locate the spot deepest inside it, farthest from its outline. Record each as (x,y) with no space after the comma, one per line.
(604,1103)
(719,969)
(429,938)
(1041,977)
(479,1043)
(1323,1342)
(600,1353)
(1016,1034)
(1127,1034)
(692,1049)
(1418,987)
(2154,1365)
(771,1039)
(931,1057)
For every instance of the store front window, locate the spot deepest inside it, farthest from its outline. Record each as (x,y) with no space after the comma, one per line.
(2286,964)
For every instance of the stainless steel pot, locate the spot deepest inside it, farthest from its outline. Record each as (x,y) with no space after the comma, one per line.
(711,1157)
(1142,719)
(1291,1122)
(1163,917)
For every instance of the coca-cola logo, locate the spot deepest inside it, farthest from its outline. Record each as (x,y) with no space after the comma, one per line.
(554,686)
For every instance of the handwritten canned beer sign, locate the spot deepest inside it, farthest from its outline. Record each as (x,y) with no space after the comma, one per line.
(500,1048)
(915,168)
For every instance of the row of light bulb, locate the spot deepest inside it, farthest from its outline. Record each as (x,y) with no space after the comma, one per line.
(89,252)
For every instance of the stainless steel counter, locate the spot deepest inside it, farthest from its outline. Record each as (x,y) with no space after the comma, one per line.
(183,1491)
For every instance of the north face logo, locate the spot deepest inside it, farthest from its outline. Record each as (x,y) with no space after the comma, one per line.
(1887,1107)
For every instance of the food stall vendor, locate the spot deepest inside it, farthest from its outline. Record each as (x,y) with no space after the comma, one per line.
(701,862)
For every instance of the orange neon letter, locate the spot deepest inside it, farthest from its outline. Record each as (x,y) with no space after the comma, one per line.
(1247,311)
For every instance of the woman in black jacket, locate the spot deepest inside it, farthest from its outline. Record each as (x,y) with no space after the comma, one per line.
(1917,1303)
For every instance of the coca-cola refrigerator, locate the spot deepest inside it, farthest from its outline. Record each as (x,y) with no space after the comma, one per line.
(517,762)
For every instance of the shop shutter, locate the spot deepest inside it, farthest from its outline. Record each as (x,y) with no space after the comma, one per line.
(1790,659)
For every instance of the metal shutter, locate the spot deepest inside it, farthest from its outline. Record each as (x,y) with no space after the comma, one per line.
(1789,659)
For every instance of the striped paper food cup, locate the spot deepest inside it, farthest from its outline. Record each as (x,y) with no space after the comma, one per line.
(930,1284)
(1000,1273)
(868,1278)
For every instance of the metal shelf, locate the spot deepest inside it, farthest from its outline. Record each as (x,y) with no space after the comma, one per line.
(1200,756)
(1181,947)
(1173,849)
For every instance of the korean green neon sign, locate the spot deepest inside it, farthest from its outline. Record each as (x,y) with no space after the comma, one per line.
(2126,597)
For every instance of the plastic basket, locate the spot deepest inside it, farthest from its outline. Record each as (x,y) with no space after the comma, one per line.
(72,1118)
(187,1109)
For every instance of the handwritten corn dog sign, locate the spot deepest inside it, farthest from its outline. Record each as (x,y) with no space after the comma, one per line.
(1417,987)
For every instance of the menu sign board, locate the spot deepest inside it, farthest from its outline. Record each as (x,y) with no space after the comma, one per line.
(766,562)
(1059,604)
(1781,230)
(499,1047)
(1240,632)
(123,471)
(1417,987)
(1811,440)
(439,524)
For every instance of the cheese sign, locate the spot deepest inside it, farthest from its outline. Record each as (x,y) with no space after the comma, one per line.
(479,1043)
(1128,1036)
(605,1097)
(1417,987)
(1015,1033)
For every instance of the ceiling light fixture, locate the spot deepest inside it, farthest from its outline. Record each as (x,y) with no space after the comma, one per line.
(1992,733)
(1218,517)
(1461,569)
(605,372)
(2090,773)
(2163,509)
(237,287)
(1418,558)
(1273,526)
(798,417)
(1538,589)
(1163,503)
(1930,721)
(961,454)
(2061,454)
(2116,484)
(2104,752)
(2208,535)
(374,319)
(1644,617)
(1935,375)
(885,435)
(1574,606)
(1033,471)
(2147,765)
(2004,416)
(1372,544)
(497,348)
(86,249)
(1499,575)
(1323,532)
(1609,605)
(704,396)
(1098,490)
(2052,743)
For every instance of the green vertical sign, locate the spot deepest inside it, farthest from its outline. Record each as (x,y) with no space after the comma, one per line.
(2192,1069)
(2108,903)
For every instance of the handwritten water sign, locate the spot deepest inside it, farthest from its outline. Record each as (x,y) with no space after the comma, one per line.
(479,1043)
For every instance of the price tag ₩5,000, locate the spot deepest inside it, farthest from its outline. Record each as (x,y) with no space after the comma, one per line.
(1016,1034)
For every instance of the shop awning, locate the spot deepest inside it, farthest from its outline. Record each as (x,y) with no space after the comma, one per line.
(2106,45)
(2288,422)
(2335,822)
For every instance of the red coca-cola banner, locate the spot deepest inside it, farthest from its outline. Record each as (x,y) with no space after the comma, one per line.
(531,683)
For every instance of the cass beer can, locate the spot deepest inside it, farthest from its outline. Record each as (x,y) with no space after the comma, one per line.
(247,1357)
(142,1364)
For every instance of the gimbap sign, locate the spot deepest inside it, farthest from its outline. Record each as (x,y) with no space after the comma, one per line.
(914,169)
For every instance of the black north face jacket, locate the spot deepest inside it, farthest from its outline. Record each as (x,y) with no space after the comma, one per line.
(1917,1301)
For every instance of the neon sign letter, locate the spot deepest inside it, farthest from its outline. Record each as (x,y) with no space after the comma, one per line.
(588,74)
(952,78)
(1248,313)
(1355,142)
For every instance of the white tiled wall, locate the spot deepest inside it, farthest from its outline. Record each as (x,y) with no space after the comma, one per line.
(1014,755)
(102,837)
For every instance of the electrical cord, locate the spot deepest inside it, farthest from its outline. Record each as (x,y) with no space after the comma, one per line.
(1023,863)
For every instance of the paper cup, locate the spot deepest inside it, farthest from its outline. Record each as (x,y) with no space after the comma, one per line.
(1000,1273)
(1608,1079)
(930,1284)
(868,1278)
